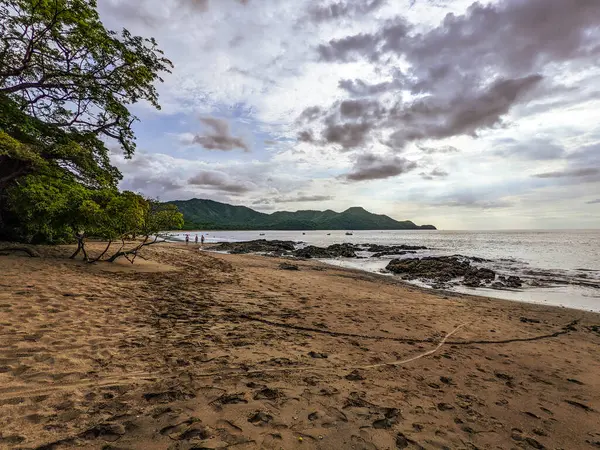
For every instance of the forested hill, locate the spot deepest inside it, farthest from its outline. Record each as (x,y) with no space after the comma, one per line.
(210,215)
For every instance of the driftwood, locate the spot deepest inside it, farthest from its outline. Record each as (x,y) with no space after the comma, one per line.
(27,250)
(134,251)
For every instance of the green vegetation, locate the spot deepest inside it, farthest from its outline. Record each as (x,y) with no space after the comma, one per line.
(65,86)
(207,214)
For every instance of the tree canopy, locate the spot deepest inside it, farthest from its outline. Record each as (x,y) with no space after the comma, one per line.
(66,85)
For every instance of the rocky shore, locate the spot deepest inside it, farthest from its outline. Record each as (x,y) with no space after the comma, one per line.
(439,271)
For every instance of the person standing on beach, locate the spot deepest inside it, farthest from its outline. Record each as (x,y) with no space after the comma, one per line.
(196,240)
(202,241)
(187,239)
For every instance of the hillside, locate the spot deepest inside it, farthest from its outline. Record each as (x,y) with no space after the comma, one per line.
(202,214)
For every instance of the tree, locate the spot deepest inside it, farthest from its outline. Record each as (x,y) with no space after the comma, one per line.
(66,84)
(56,209)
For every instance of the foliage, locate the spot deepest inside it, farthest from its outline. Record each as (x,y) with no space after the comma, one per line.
(66,84)
(62,67)
(57,210)
(208,214)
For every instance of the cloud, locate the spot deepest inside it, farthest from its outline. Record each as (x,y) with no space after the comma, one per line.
(534,149)
(375,167)
(466,74)
(348,135)
(593,202)
(435,173)
(219,139)
(299,198)
(339,10)
(473,201)
(220,181)
(570,173)
(441,149)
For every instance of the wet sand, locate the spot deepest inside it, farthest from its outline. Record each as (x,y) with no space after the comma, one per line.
(189,350)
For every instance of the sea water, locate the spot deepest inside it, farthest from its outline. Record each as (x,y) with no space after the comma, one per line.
(566,261)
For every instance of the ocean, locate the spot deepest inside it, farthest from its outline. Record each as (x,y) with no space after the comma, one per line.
(567,262)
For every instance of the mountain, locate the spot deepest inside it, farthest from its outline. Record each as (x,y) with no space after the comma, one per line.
(202,214)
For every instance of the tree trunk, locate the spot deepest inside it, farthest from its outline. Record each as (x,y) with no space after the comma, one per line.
(134,250)
(80,247)
(101,254)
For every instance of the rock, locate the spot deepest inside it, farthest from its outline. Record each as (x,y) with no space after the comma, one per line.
(354,376)
(446,380)
(399,253)
(513,282)
(106,431)
(267,394)
(333,251)
(442,270)
(444,407)
(401,441)
(393,249)
(526,320)
(260,418)
(195,432)
(477,277)
(257,246)
(317,355)
(288,266)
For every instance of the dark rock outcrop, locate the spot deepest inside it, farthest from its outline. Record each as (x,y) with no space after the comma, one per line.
(260,245)
(441,270)
(376,248)
(333,251)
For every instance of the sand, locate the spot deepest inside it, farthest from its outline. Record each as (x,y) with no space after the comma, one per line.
(190,350)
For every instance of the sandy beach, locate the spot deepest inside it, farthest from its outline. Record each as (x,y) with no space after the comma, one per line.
(196,350)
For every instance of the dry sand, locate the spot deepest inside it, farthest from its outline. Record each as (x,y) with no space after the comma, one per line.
(190,350)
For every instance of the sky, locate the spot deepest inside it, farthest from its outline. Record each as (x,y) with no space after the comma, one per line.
(461,114)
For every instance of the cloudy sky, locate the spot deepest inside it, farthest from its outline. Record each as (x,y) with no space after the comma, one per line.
(465,115)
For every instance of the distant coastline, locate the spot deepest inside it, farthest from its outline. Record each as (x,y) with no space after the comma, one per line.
(201,214)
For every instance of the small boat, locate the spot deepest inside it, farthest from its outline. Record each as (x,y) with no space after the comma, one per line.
(262,234)
(328,234)
(348,233)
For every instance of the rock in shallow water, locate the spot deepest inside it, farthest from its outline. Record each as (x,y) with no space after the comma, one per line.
(442,269)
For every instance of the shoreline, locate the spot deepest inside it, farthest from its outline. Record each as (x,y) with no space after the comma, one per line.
(578,296)
(191,348)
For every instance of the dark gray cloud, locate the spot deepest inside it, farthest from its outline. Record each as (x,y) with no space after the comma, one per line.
(570,173)
(513,35)
(438,118)
(469,71)
(535,149)
(220,138)
(593,202)
(435,173)
(348,135)
(305,136)
(583,166)
(220,181)
(349,48)
(359,88)
(310,114)
(351,122)
(442,149)
(341,10)
(299,198)
(375,167)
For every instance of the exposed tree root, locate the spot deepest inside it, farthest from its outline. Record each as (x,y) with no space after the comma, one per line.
(564,330)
